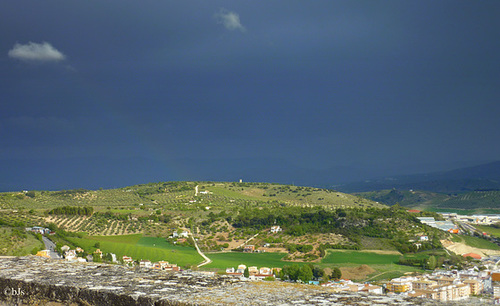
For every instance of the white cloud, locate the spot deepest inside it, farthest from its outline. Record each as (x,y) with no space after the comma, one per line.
(31,51)
(230,20)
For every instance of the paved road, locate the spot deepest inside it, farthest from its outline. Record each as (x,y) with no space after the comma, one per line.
(49,245)
(471,229)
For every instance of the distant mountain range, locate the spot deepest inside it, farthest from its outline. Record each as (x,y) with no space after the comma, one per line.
(97,172)
(484,177)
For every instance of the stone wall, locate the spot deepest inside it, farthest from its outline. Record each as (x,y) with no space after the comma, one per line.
(34,280)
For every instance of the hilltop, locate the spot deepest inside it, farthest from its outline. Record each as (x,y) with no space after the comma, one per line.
(171,193)
(123,210)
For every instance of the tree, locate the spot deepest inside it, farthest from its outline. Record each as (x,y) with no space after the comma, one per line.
(432,263)
(246,273)
(293,272)
(317,272)
(97,245)
(305,274)
(336,274)
(282,275)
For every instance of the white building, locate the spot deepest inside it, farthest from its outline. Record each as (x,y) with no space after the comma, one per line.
(276,229)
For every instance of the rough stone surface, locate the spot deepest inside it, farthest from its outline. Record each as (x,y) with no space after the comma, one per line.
(39,281)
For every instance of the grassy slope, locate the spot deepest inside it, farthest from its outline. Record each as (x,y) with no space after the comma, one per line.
(475,242)
(138,247)
(339,257)
(489,229)
(385,265)
(15,246)
(233,259)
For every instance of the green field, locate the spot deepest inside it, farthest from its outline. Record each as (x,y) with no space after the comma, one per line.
(138,247)
(385,272)
(464,211)
(385,265)
(340,257)
(476,242)
(489,229)
(233,259)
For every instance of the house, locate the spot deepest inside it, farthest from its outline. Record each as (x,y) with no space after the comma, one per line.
(495,276)
(233,272)
(145,264)
(127,259)
(65,248)
(40,230)
(275,229)
(79,250)
(476,287)
(171,267)
(423,284)
(70,255)
(163,264)
(253,270)
(424,238)
(399,285)
(183,234)
(98,253)
(473,255)
(372,289)
(265,271)
(241,269)
(249,248)
(43,253)
(496,293)
(180,240)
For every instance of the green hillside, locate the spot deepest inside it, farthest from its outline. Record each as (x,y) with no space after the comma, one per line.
(139,221)
(178,194)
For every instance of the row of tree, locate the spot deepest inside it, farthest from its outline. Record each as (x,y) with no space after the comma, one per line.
(307,273)
(72,210)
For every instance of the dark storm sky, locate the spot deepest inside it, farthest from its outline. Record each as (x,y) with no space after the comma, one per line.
(317,84)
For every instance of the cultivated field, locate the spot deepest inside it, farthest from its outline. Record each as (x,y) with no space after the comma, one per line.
(489,229)
(138,247)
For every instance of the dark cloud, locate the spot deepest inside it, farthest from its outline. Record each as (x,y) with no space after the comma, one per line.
(319,84)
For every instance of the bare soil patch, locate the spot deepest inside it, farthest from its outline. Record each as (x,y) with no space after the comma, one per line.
(461,248)
(360,272)
(253,192)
